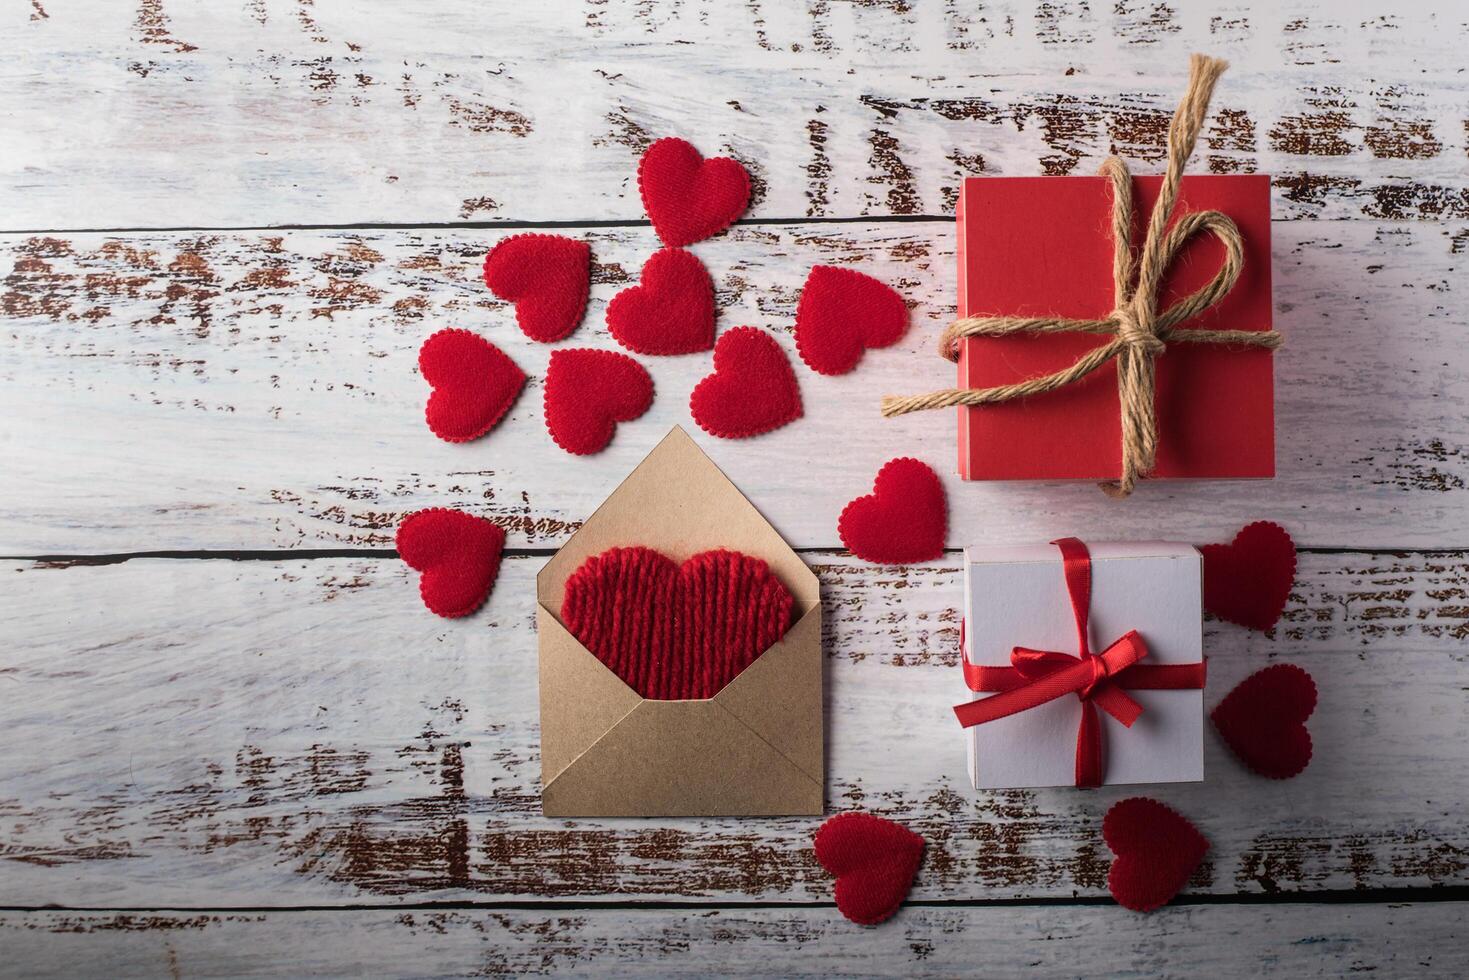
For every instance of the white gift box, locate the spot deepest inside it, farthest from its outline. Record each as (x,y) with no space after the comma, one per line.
(1017,596)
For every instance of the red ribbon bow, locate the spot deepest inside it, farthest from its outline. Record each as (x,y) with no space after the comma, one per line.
(1097,679)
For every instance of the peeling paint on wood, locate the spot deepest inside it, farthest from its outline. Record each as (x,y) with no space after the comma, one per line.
(300,349)
(308,734)
(225,734)
(1304,941)
(253,116)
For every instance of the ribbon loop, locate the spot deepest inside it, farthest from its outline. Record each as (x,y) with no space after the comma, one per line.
(1140,333)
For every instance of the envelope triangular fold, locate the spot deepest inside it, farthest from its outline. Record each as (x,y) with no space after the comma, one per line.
(780,695)
(580,698)
(681,758)
(678,502)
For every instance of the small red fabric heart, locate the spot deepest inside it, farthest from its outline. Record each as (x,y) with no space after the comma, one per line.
(687,197)
(841,314)
(903,520)
(1248,580)
(874,861)
(752,389)
(474,384)
(1264,720)
(1157,850)
(675,632)
(670,311)
(458,555)
(547,277)
(588,392)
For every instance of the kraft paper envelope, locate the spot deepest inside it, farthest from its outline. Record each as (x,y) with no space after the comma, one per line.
(756,747)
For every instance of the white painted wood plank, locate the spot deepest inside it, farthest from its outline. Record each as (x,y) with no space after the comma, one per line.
(260,391)
(188,733)
(1302,941)
(184,113)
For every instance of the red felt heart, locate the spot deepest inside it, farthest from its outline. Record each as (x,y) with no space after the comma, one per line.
(675,632)
(1248,580)
(841,314)
(474,384)
(1157,850)
(458,554)
(687,197)
(588,392)
(1264,720)
(752,389)
(874,861)
(547,278)
(904,518)
(670,311)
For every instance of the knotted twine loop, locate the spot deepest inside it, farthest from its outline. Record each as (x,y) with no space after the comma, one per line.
(1139,331)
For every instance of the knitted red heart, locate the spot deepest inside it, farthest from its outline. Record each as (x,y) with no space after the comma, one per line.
(904,518)
(588,392)
(547,278)
(458,554)
(1157,850)
(474,384)
(842,313)
(670,311)
(1264,720)
(1248,580)
(752,389)
(874,861)
(687,197)
(675,632)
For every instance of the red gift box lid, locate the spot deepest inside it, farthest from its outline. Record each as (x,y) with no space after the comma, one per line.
(1041,246)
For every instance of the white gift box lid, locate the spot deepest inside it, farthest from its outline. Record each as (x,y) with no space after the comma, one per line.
(1016,595)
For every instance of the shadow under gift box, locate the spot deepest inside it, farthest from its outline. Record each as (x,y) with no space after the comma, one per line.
(755,748)
(1042,246)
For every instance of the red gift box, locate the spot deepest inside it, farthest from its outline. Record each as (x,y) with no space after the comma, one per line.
(1042,246)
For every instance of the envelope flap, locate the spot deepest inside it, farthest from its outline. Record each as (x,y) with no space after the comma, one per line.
(581,700)
(678,502)
(779,695)
(681,758)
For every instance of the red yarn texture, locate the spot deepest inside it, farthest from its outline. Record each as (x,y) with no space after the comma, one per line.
(687,197)
(874,861)
(588,392)
(1157,850)
(903,520)
(458,555)
(1264,720)
(676,632)
(841,314)
(1248,580)
(547,277)
(752,389)
(670,311)
(474,384)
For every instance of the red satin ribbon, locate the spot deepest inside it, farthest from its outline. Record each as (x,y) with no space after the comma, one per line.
(1097,679)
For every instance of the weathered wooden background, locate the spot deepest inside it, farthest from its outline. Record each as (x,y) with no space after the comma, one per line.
(234,742)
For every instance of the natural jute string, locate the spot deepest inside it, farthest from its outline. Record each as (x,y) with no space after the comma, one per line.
(1139,331)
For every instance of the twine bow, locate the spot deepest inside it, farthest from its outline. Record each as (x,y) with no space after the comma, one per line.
(1139,330)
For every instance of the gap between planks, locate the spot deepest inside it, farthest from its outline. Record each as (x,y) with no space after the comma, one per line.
(1336,896)
(531,224)
(310,554)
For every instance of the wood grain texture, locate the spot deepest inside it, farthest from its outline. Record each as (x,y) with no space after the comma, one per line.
(1299,941)
(260,390)
(185,114)
(216,735)
(302,732)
